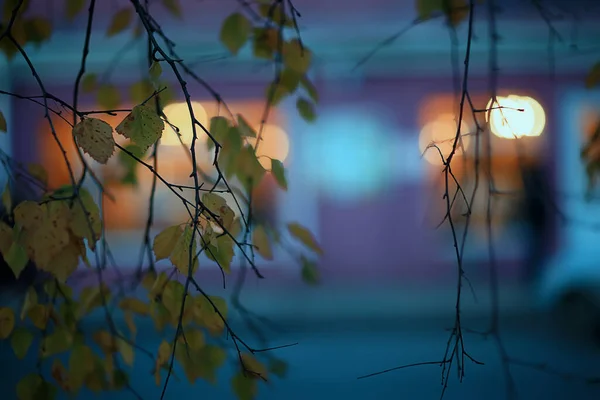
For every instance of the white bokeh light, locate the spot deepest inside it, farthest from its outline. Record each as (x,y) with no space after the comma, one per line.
(514,116)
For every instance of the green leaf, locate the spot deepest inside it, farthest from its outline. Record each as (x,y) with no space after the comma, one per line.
(108,97)
(194,338)
(74,7)
(278,172)
(244,127)
(593,77)
(143,126)
(274,12)
(276,92)
(141,91)
(3,127)
(165,242)
(304,236)
(17,258)
(7,322)
(245,388)
(296,57)
(173,6)
(221,250)
(37,30)
(248,169)
(219,130)
(172,297)
(89,82)
(260,240)
(306,109)
(310,88)
(278,367)
(30,301)
(265,42)
(120,21)
(155,72)
(213,202)
(27,386)
(235,32)
(290,79)
(20,341)
(310,272)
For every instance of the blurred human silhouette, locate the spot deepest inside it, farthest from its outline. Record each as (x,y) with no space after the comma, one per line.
(536,218)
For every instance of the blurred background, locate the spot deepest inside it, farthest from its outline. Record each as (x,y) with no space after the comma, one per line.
(361,178)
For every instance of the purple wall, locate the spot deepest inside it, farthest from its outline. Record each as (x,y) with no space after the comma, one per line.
(382,236)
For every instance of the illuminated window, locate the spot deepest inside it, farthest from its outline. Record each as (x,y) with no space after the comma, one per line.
(437,120)
(129,210)
(516,116)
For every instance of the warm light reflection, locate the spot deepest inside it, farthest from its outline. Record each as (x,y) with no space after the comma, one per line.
(441,133)
(178,114)
(515,116)
(274,143)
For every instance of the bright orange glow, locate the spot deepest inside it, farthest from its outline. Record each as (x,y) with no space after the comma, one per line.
(441,133)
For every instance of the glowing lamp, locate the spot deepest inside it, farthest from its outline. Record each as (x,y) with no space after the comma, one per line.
(513,117)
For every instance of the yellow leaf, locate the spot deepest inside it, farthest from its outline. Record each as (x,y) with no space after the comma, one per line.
(165,242)
(28,214)
(38,172)
(48,241)
(57,342)
(7,322)
(304,236)
(126,351)
(108,97)
(260,240)
(27,387)
(74,7)
(593,77)
(296,56)
(235,32)
(143,126)
(80,366)
(164,353)
(181,253)
(85,220)
(95,138)
(20,341)
(213,202)
(135,305)
(39,315)
(121,20)
(66,261)
(89,83)
(105,341)
(193,337)
(130,322)
(172,297)
(278,172)
(3,127)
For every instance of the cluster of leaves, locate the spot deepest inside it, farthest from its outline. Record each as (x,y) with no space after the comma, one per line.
(57,232)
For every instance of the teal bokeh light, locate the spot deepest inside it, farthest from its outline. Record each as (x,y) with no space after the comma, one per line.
(348,153)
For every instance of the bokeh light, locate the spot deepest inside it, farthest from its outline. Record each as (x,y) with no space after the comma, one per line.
(178,114)
(441,132)
(274,143)
(514,116)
